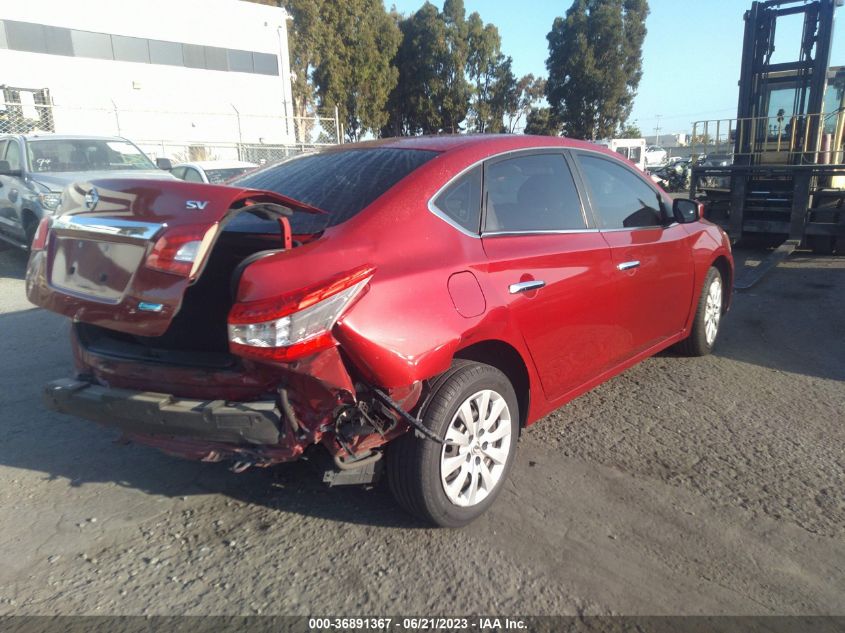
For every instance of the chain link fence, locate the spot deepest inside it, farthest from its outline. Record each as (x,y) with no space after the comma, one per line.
(178,135)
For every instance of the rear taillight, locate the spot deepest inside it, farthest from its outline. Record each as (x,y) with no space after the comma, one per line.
(39,240)
(296,325)
(181,250)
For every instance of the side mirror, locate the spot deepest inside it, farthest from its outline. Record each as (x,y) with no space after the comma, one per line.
(164,163)
(6,170)
(686,211)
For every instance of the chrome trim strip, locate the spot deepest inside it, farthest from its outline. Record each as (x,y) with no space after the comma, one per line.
(628,265)
(433,208)
(524,286)
(641,228)
(538,232)
(131,229)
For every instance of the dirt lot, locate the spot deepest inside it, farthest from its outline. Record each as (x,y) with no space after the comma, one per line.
(711,486)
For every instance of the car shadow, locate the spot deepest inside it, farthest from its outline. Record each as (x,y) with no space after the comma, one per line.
(12,261)
(792,320)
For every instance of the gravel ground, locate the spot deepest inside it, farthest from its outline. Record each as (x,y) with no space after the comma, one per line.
(683,486)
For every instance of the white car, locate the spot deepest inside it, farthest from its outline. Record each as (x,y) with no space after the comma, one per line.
(212,171)
(655,155)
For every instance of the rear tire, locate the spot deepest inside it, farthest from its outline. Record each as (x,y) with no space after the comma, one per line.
(708,317)
(474,407)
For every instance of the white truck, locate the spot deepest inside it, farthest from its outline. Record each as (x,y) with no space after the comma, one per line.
(631,148)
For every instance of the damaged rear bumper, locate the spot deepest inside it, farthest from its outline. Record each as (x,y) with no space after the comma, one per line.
(158,414)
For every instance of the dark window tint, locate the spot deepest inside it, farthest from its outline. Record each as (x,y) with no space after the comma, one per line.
(13,155)
(23,36)
(193,55)
(218,176)
(340,182)
(622,199)
(130,49)
(215,58)
(165,53)
(461,200)
(192,175)
(58,41)
(635,154)
(532,193)
(87,44)
(240,61)
(265,63)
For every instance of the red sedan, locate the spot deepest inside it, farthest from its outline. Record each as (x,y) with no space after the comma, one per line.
(406,304)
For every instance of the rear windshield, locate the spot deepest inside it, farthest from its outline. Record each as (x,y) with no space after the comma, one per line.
(57,155)
(340,182)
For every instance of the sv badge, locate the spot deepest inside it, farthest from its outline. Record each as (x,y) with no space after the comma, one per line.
(196,205)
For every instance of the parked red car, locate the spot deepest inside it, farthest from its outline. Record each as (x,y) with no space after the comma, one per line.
(420,299)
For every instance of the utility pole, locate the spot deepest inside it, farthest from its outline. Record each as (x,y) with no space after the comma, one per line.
(657,129)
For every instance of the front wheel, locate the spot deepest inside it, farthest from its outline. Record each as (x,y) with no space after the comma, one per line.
(473,408)
(708,317)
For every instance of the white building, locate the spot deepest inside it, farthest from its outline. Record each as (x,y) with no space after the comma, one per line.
(192,71)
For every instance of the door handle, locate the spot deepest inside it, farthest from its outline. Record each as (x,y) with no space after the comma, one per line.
(525,286)
(628,265)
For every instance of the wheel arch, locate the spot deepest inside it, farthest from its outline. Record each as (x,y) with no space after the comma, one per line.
(722,264)
(28,214)
(509,361)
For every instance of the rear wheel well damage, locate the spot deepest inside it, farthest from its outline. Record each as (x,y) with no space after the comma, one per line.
(509,361)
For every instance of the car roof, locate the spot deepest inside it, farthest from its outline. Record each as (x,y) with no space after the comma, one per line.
(70,137)
(449,142)
(217,164)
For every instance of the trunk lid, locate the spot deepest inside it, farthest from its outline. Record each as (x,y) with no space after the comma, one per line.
(97,266)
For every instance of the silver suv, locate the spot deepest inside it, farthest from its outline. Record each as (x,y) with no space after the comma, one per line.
(35,168)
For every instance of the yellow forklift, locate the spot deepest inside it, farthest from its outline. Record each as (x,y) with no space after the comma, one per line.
(777,171)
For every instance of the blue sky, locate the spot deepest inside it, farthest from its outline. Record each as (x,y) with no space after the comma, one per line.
(691,54)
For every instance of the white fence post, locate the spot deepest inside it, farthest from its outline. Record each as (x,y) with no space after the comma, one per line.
(338,137)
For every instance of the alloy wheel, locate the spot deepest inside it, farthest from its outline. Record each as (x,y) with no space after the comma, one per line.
(476,448)
(713,310)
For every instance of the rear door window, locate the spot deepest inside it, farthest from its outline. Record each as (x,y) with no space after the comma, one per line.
(531,193)
(340,182)
(461,200)
(620,198)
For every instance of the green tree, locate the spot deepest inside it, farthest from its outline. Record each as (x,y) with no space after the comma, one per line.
(452,74)
(529,92)
(305,44)
(494,85)
(595,65)
(542,121)
(415,106)
(340,55)
(629,131)
(358,41)
(456,97)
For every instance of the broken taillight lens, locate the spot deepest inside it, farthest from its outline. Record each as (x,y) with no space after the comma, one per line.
(296,325)
(181,250)
(39,240)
